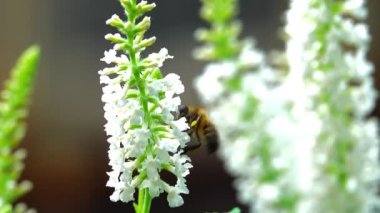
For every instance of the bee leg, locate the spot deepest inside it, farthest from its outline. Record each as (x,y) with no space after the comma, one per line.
(212,139)
(193,144)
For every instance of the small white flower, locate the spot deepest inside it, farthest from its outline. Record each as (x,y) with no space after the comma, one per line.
(174,198)
(113,178)
(250,57)
(114,18)
(136,141)
(155,186)
(181,124)
(127,193)
(182,137)
(155,87)
(114,36)
(116,156)
(110,56)
(152,166)
(157,59)
(170,103)
(173,84)
(352,185)
(355,8)
(171,145)
(181,164)
(127,173)
(163,155)
(210,84)
(107,71)
(105,79)
(115,195)
(112,93)
(269,192)
(136,115)
(113,128)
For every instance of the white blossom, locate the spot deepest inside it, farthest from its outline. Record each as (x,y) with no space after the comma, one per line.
(142,146)
(157,59)
(168,144)
(155,186)
(308,131)
(174,197)
(355,8)
(252,121)
(172,84)
(210,84)
(342,94)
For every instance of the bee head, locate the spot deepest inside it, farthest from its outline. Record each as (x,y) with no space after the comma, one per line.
(183,110)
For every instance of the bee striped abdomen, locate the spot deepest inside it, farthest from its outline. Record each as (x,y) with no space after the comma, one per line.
(211,138)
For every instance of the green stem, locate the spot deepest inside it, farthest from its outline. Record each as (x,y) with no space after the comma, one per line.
(147,202)
(140,201)
(144,200)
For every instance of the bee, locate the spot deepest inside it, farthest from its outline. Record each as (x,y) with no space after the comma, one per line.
(202,130)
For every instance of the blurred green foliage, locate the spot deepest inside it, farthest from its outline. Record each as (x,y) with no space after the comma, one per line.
(13,110)
(235,210)
(221,40)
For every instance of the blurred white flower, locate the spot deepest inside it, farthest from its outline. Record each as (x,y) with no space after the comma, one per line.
(330,68)
(355,8)
(210,85)
(303,141)
(255,128)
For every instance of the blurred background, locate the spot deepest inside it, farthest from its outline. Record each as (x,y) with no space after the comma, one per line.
(67,149)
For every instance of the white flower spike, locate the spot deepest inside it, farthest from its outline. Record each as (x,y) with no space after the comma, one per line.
(145,137)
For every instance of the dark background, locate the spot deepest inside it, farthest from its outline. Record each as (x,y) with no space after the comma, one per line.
(67,146)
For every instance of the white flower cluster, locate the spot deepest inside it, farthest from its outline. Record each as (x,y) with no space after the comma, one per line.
(249,106)
(144,136)
(301,143)
(326,53)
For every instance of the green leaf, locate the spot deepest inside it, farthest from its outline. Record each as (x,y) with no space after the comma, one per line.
(6,209)
(132,94)
(235,210)
(156,74)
